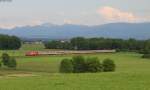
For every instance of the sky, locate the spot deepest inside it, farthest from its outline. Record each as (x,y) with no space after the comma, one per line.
(84,12)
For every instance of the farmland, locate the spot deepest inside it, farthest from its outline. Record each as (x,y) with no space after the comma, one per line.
(42,73)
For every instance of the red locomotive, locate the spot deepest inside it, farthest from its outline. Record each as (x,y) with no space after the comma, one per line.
(32,53)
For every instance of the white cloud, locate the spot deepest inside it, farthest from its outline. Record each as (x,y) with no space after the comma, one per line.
(19,24)
(12,22)
(114,14)
(7,26)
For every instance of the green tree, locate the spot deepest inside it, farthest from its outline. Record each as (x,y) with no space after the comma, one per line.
(0,64)
(55,45)
(94,65)
(79,64)
(9,42)
(5,59)
(79,43)
(108,65)
(66,66)
(12,63)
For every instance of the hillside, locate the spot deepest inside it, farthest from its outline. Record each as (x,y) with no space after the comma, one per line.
(66,31)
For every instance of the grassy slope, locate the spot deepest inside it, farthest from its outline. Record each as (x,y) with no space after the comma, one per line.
(23,49)
(132,74)
(126,62)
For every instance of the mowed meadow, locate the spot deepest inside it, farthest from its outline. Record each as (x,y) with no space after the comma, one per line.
(42,73)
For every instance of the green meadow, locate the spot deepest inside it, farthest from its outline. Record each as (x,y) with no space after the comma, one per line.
(42,73)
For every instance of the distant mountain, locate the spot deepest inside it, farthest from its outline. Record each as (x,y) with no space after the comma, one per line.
(67,31)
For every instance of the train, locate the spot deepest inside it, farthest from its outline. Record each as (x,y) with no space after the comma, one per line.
(63,52)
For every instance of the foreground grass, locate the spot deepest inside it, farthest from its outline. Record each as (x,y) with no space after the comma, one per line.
(98,81)
(41,73)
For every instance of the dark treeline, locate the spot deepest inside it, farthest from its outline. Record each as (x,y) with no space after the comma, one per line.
(81,43)
(9,42)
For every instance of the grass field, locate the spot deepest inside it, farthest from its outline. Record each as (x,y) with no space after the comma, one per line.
(32,47)
(41,73)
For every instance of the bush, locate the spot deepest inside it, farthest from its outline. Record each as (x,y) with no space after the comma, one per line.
(66,66)
(0,64)
(9,62)
(108,65)
(146,56)
(94,65)
(12,63)
(79,65)
(5,59)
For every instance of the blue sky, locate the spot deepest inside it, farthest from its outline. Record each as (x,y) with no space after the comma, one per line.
(87,12)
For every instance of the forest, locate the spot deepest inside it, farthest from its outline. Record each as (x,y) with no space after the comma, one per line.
(81,43)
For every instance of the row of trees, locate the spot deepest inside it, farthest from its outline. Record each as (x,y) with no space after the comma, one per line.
(79,64)
(9,42)
(81,43)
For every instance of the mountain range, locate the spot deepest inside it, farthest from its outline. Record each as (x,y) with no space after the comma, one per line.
(67,31)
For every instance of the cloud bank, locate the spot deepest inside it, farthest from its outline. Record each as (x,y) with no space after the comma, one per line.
(115,14)
(98,16)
